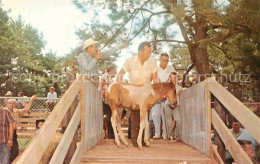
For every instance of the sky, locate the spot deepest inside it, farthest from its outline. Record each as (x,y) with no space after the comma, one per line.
(58,21)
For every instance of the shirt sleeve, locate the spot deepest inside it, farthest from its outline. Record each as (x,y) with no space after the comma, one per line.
(48,95)
(154,65)
(56,96)
(126,66)
(83,63)
(10,117)
(106,54)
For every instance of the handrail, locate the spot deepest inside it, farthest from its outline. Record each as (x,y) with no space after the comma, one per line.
(231,144)
(247,118)
(62,149)
(33,153)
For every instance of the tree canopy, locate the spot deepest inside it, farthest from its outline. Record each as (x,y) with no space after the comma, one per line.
(221,37)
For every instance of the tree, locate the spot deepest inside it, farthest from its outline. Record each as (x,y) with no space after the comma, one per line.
(23,65)
(205,25)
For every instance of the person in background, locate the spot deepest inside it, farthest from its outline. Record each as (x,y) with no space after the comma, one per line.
(157,112)
(8,94)
(104,82)
(172,113)
(38,125)
(236,132)
(21,103)
(17,113)
(51,96)
(246,145)
(6,134)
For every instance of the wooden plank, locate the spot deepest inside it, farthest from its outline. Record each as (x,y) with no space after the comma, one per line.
(215,155)
(62,149)
(37,114)
(82,113)
(208,116)
(160,151)
(77,155)
(41,141)
(231,143)
(247,118)
(28,120)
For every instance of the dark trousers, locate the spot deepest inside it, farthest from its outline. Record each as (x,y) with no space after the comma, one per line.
(14,148)
(134,125)
(107,121)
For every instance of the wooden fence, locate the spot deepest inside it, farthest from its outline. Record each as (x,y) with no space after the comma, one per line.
(195,114)
(89,110)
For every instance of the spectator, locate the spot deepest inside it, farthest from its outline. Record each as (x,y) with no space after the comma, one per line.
(8,94)
(246,145)
(104,82)
(22,101)
(51,102)
(172,113)
(245,135)
(236,132)
(6,135)
(17,113)
(38,125)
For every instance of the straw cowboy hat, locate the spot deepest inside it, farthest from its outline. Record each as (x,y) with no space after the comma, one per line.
(88,43)
(9,93)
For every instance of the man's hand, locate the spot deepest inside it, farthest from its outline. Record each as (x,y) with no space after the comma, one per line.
(98,56)
(9,143)
(124,45)
(34,97)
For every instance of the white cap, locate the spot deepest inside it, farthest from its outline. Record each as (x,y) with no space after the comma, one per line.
(88,43)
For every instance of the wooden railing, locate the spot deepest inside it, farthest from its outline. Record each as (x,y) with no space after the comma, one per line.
(89,111)
(247,118)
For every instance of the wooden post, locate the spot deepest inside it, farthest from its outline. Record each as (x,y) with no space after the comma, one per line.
(73,145)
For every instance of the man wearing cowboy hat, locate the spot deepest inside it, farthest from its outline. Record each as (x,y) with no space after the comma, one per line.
(90,57)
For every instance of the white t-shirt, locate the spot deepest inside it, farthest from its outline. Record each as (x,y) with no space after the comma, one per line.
(164,74)
(140,74)
(52,95)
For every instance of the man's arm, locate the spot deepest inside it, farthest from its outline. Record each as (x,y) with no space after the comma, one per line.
(155,78)
(111,51)
(120,75)
(29,105)
(11,134)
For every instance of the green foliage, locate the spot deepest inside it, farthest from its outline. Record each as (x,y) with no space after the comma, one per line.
(23,66)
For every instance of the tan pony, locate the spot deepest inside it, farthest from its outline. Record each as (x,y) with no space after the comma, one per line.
(136,97)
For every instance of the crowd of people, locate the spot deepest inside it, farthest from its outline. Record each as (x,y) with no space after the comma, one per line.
(11,113)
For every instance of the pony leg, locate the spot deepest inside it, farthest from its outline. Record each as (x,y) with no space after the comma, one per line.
(140,134)
(146,130)
(121,134)
(113,121)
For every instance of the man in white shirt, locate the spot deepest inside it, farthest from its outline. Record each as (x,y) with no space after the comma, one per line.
(164,71)
(51,96)
(142,70)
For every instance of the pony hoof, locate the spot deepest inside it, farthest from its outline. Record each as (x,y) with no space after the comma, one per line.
(126,144)
(140,147)
(147,144)
(120,146)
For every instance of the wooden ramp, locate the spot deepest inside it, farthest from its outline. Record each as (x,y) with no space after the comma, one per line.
(160,151)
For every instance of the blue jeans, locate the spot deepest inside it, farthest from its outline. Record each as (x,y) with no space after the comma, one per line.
(4,153)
